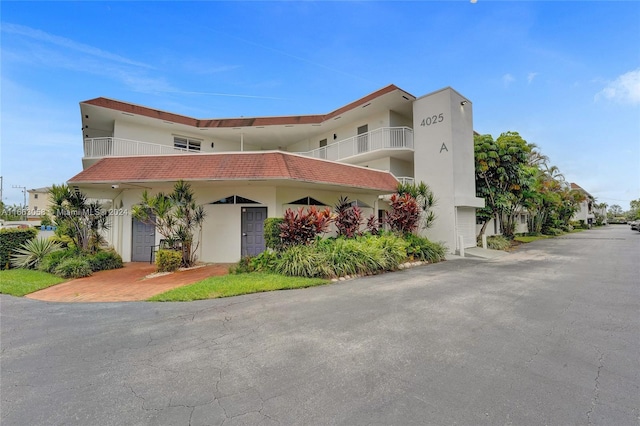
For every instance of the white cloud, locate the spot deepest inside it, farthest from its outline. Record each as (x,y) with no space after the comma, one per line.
(531,76)
(68,44)
(507,79)
(624,89)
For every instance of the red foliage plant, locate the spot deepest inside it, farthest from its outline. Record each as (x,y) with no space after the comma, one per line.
(302,227)
(348,218)
(405,214)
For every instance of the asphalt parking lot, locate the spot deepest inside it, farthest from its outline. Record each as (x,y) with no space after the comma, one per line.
(549,334)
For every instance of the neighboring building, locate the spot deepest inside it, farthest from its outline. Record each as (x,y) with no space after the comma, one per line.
(586,212)
(493,227)
(246,169)
(39,202)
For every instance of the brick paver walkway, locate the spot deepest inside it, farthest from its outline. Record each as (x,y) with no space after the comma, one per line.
(125,284)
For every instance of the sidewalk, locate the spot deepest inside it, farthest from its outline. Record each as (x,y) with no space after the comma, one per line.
(125,284)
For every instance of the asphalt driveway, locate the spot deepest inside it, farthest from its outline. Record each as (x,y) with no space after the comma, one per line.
(547,335)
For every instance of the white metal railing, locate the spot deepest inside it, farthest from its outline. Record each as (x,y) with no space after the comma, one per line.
(405,180)
(116,147)
(381,138)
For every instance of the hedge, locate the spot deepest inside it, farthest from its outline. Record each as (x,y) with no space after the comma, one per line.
(10,240)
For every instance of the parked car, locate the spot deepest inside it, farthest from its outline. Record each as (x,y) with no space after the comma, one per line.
(635,225)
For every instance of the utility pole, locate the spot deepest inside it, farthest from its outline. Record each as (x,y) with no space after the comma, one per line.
(24,196)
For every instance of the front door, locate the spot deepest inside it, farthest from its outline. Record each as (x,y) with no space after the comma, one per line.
(253,230)
(143,238)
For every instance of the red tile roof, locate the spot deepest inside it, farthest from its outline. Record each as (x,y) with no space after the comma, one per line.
(235,122)
(268,165)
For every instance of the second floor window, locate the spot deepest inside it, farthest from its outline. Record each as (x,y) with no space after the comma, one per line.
(186,143)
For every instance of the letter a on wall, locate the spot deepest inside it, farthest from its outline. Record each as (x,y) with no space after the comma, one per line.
(443,148)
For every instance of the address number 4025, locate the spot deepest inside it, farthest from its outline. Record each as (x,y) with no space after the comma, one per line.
(434,119)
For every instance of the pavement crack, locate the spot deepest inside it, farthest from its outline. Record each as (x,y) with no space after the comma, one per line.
(596,390)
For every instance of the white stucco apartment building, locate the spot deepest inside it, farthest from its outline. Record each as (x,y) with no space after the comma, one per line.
(586,213)
(246,169)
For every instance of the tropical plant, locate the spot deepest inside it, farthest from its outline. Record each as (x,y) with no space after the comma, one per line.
(10,240)
(176,216)
(76,217)
(31,253)
(272,238)
(73,267)
(105,260)
(501,176)
(50,262)
(373,225)
(348,218)
(404,216)
(421,248)
(302,226)
(302,261)
(425,199)
(168,260)
(498,242)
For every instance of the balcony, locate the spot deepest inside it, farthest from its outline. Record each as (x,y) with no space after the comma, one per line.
(116,147)
(406,180)
(357,147)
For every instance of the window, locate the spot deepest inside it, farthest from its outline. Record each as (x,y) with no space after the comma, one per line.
(35,196)
(523,218)
(234,199)
(323,143)
(307,201)
(185,143)
(359,203)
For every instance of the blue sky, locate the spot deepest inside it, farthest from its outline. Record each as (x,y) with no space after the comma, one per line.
(565,75)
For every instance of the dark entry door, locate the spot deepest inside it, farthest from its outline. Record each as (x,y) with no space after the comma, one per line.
(253,230)
(143,237)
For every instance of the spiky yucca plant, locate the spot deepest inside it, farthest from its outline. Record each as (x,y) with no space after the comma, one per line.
(30,254)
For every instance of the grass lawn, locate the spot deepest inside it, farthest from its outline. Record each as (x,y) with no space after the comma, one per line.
(234,285)
(529,238)
(18,282)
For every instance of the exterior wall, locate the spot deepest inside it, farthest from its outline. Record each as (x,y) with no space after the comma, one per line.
(158,135)
(394,165)
(37,203)
(584,213)
(220,240)
(344,131)
(443,143)
(493,228)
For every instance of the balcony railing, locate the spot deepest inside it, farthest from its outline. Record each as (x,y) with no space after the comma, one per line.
(405,180)
(382,138)
(116,147)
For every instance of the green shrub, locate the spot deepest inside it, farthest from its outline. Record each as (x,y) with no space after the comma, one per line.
(243,266)
(272,231)
(554,231)
(498,242)
(168,260)
(265,261)
(30,254)
(104,260)
(302,261)
(422,249)
(394,249)
(346,256)
(10,240)
(73,267)
(50,262)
